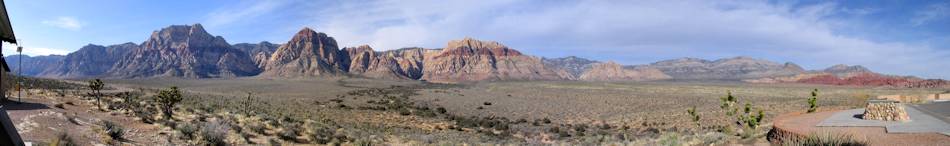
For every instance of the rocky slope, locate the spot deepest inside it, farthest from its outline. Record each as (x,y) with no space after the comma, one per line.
(307,54)
(473,60)
(405,63)
(259,52)
(89,61)
(184,51)
(32,66)
(570,67)
(611,71)
(736,68)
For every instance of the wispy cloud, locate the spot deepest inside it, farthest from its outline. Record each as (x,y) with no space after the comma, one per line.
(930,13)
(69,23)
(244,11)
(632,29)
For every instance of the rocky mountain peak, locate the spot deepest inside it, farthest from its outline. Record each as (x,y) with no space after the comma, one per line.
(308,53)
(183,36)
(470,46)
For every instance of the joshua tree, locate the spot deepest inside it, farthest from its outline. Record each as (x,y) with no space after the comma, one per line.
(168,98)
(813,101)
(96,87)
(746,119)
(694,116)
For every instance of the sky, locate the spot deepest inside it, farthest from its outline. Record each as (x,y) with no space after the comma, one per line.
(888,36)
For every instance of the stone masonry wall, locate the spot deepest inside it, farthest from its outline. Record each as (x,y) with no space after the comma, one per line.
(886,111)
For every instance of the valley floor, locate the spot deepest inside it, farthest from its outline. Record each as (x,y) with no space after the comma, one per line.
(359,111)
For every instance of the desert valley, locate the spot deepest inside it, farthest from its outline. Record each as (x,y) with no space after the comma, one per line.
(312,91)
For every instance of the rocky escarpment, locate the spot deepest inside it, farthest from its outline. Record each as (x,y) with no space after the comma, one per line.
(89,61)
(737,68)
(611,71)
(259,52)
(405,63)
(32,66)
(473,60)
(184,51)
(307,54)
(570,67)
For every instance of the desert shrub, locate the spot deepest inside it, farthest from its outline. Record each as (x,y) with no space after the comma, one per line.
(546,121)
(187,130)
(247,106)
(670,138)
(813,101)
(693,116)
(291,129)
(96,87)
(129,100)
(63,139)
(59,105)
(113,130)
(480,107)
(215,133)
(168,99)
(441,110)
(487,103)
(145,114)
(321,134)
(823,139)
(256,127)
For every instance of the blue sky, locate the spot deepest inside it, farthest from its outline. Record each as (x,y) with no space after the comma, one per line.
(889,36)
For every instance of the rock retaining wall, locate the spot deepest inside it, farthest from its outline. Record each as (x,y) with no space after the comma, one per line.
(886,111)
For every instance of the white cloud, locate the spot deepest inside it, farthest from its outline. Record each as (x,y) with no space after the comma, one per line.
(69,23)
(930,13)
(650,30)
(10,49)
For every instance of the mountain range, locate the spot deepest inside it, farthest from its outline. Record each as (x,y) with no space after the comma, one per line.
(188,51)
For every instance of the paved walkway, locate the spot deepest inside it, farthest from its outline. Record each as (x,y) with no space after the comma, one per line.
(804,124)
(920,122)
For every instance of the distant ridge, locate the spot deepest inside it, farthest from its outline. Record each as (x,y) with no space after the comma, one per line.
(188,51)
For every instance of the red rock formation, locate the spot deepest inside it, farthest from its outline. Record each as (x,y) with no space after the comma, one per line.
(307,54)
(474,60)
